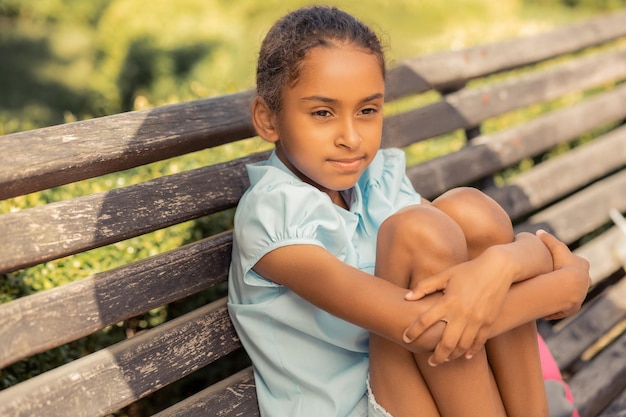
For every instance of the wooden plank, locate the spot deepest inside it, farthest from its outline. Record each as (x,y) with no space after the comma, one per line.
(51,318)
(450,69)
(44,158)
(583,212)
(557,177)
(490,153)
(595,385)
(123,373)
(601,252)
(63,228)
(617,408)
(469,107)
(595,320)
(234,396)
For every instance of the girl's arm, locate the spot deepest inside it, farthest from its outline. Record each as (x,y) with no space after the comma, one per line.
(346,292)
(559,292)
(381,307)
(475,292)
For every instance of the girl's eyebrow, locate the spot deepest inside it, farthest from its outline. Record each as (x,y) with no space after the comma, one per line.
(334,100)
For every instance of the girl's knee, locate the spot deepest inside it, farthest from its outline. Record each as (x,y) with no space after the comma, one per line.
(483,220)
(425,231)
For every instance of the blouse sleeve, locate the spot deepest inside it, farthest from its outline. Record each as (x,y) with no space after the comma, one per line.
(273,215)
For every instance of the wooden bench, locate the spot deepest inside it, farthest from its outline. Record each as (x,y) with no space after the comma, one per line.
(571,80)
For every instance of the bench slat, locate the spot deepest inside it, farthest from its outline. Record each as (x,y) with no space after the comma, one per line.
(582,212)
(595,386)
(450,69)
(468,108)
(127,371)
(39,159)
(595,251)
(562,175)
(72,226)
(568,344)
(51,318)
(491,153)
(232,397)
(617,407)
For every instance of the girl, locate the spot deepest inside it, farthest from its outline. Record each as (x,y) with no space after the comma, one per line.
(342,275)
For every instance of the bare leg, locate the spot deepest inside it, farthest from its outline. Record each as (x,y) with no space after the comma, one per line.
(513,356)
(412,245)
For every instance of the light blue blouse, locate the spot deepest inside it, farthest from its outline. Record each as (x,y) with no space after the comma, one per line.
(306,361)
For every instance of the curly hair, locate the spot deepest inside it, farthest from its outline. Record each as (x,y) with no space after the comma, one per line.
(286,44)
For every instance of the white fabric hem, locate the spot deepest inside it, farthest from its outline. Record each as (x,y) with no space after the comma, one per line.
(374,409)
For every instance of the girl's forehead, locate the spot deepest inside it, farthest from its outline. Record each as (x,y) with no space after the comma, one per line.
(326,63)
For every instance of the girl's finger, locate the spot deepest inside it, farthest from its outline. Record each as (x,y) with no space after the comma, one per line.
(555,246)
(479,343)
(422,323)
(466,342)
(446,346)
(427,286)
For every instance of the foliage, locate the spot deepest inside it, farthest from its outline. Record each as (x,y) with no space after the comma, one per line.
(588,4)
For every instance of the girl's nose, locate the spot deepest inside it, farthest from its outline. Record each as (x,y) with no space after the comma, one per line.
(348,137)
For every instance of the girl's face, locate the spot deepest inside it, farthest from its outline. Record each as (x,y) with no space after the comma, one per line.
(330,125)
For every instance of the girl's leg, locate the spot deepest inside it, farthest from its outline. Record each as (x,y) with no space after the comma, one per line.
(412,245)
(513,356)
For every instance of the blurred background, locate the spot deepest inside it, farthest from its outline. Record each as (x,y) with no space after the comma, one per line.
(68,60)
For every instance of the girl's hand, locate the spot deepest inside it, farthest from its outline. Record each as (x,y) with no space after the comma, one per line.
(474,293)
(576,268)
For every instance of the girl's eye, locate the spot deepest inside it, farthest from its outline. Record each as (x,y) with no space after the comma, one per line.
(369,110)
(321,113)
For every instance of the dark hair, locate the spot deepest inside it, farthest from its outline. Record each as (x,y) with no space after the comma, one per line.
(286,44)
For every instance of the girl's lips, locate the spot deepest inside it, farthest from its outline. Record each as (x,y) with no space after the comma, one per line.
(351,164)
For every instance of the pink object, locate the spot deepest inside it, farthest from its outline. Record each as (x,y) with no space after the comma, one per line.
(552,373)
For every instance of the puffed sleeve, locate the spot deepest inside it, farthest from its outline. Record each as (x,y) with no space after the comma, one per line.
(276,214)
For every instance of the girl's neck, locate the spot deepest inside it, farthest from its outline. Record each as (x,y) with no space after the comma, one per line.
(338,199)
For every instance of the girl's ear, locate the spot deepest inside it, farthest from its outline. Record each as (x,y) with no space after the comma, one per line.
(264,120)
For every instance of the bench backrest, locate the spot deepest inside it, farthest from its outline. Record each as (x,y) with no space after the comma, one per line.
(571,80)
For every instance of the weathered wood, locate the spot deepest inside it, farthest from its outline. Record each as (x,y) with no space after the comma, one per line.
(450,69)
(487,154)
(51,318)
(44,158)
(559,176)
(232,397)
(112,378)
(582,212)
(469,107)
(568,344)
(595,385)
(67,227)
(602,254)
(617,408)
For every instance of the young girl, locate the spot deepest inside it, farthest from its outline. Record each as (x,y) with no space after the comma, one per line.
(352,295)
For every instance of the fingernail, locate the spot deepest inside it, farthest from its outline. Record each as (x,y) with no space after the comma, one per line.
(406,338)
(408,294)
(431,363)
(469,356)
(541,231)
